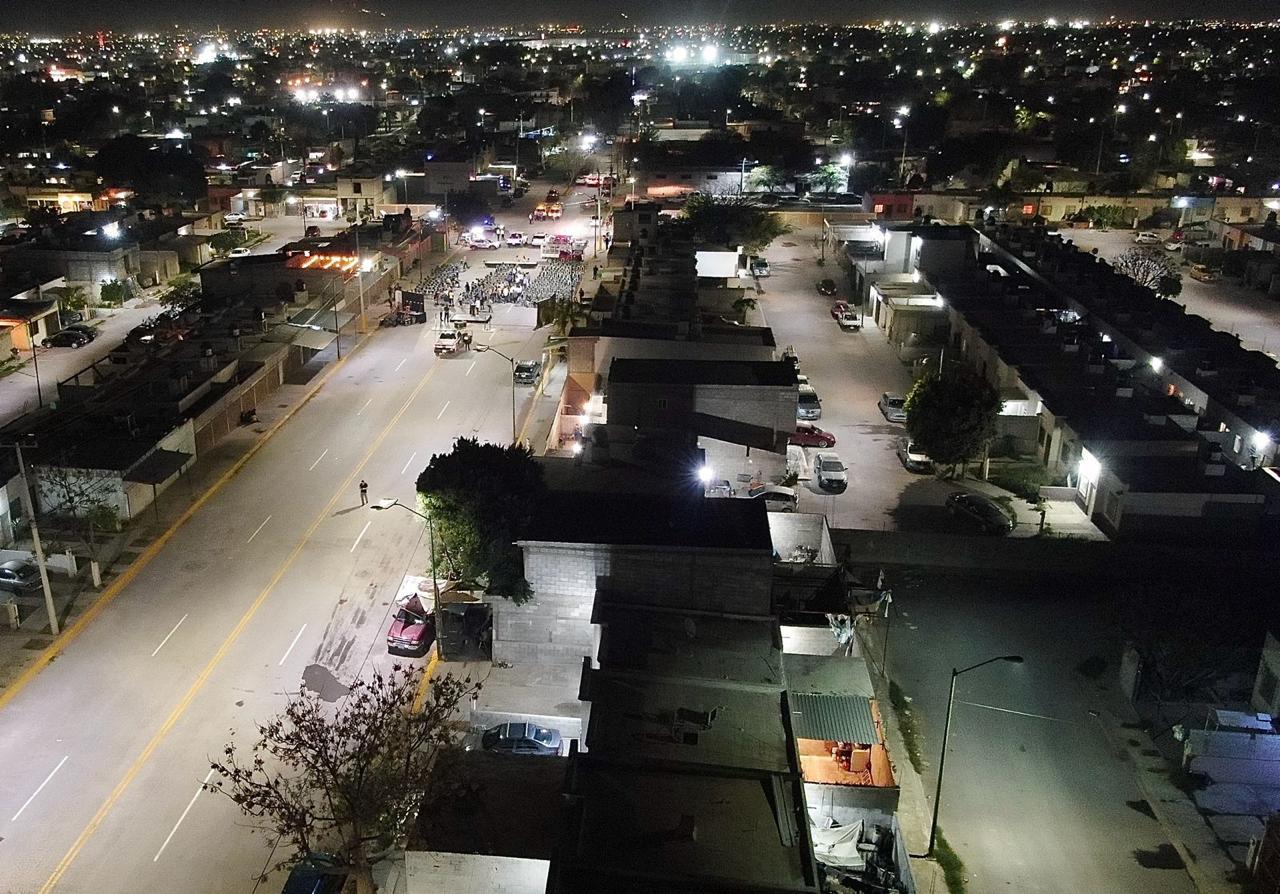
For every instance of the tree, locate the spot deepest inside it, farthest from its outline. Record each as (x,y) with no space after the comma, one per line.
(161,174)
(565,314)
(828,178)
(1150,269)
(769,177)
(952,418)
(347,781)
(183,291)
(82,500)
(732,221)
(72,298)
(226,240)
(113,293)
(481,498)
(468,209)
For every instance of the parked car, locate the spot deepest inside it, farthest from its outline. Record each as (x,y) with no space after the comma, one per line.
(1170,245)
(479,243)
(17,576)
(913,458)
(830,472)
(840,307)
(312,230)
(70,317)
(719,487)
(1202,273)
(515,239)
(521,738)
(850,321)
(776,497)
(66,338)
(537,240)
(233,217)
(310,877)
(527,372)
(89,332)
(759,267)
(239,252)
(984,513)
(827,287)
(808,406)
(412,630)
(553,195)
(893,406)
(1146,237)
(809,435)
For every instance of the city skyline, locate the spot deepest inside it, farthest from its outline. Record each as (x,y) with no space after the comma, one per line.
(34,17)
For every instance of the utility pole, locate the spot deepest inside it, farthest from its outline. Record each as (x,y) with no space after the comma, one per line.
(362,326)
(30,509)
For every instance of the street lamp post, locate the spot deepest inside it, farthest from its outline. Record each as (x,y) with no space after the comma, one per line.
(512,361)
(29,507)
(431,540)
(901,121)
(946,731)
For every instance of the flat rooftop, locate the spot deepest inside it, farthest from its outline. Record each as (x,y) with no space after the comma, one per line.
(778,373)
(502,793)
(650,520)
(663,830)
(674,722)
(663,645)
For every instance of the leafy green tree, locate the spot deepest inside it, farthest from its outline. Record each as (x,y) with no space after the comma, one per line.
(769,177)
(732,221)
(565,313)
(468,209)
(953,417)
(163,174)
(828,178)
(72,298)
(1169,285)
(480,498)
(347,780)
(113,293)
(183,290)
(226,240)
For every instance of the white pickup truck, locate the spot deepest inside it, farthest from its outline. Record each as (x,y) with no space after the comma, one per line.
(453,341)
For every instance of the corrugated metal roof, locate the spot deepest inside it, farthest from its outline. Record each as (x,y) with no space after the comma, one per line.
(835,718)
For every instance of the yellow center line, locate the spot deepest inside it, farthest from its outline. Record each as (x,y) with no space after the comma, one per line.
(211,666)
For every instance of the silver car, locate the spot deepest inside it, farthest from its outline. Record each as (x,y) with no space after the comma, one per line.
(893,406)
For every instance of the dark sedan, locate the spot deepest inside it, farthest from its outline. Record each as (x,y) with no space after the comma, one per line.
(827,287)
(521,738)
(982,512)
(66,338)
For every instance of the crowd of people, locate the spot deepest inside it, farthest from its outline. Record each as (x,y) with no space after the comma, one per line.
(555,279)
(503,284)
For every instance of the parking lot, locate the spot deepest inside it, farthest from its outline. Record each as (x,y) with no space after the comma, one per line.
(850,371)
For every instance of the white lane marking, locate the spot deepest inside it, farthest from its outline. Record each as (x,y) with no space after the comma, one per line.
(258,529)
(412,456)
(27,803)
(190,804)
(1019,713)
(318,458)
(171,633)
(442,409)
(471,367)
(400,364)
(361,537)
(297,636)
(360,411)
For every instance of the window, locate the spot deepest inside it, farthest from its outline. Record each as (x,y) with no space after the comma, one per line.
(713,176)
(356,188)
(1028,210)
(879,209)
(662,403)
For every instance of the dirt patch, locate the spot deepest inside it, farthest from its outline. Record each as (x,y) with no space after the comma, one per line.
(1163,857)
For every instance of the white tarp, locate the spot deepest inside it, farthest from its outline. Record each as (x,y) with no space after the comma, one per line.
(838,846)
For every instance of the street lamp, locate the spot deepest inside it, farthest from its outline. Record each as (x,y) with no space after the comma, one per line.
(512,361)
(401,174)
(901,121)
(389,503)
(946,731)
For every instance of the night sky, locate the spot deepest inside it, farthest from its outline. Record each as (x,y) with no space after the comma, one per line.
(46,17)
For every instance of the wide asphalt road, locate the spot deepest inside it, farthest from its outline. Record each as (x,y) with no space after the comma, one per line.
(282,580)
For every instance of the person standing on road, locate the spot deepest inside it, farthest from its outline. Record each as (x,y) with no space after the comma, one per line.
(364,492)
